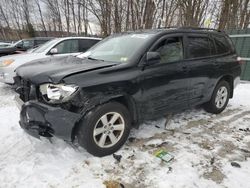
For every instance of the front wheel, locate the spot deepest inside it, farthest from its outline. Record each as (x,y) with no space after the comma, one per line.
(105,129)
(219,99)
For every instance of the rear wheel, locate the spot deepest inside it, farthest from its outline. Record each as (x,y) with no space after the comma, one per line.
(219,99)
(105,129)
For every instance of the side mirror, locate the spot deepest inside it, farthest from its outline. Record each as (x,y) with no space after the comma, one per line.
(152,58)
(53,51)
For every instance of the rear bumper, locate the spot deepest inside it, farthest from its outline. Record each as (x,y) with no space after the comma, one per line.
(38,119)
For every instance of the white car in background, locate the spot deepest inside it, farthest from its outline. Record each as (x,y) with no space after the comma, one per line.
(56,47)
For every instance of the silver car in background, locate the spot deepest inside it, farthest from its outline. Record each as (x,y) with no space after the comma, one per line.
(56,47)
(4,44)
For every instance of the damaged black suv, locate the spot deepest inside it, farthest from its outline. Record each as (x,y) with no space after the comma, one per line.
(97,97)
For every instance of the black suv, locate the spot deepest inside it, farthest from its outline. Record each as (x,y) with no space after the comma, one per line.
(125,79)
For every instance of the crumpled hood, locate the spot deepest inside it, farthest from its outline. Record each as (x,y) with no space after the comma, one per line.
(56,68)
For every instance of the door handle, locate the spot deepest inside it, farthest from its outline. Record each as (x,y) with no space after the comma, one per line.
(185,68)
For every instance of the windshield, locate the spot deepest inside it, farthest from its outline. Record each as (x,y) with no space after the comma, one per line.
(118,49)
(45,46)
(20,41)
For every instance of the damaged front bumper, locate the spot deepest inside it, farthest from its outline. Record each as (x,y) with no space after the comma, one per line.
(39,119)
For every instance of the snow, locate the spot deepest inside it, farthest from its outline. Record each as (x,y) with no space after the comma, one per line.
(236,174)
(204,145)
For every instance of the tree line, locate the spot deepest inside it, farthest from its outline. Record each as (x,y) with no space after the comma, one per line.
(74,17)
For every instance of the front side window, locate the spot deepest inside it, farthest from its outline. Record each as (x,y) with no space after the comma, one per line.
(170,50)
(199,47)
(67,46)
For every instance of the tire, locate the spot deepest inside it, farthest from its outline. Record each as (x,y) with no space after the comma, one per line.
(95,136)
(214,106)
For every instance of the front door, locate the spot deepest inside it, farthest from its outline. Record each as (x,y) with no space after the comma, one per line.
(164,84)
(67,47)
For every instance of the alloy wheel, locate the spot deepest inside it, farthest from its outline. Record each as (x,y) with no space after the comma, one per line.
(109,129)
(221,97)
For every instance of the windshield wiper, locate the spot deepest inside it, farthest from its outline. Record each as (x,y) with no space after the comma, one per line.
(91,58)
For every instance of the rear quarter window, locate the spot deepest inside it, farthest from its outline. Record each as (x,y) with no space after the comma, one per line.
(223,44)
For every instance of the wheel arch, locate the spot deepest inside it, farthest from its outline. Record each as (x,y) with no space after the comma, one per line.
(230,79)
(124,99)
(129,103)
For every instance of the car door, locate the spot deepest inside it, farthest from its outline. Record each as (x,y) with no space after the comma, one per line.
(164,84)
(202,67)
(67,47)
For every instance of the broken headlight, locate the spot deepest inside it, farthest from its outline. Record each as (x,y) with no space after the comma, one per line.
(57,93)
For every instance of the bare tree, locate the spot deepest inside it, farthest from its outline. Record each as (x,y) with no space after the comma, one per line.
(54,14)
(41,16)
(73,14)
(193,12)
(114,16)
(4,16)
(25,8)
(234,14)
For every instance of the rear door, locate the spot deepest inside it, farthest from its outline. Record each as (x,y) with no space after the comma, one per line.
(226,56)
(201,62)
(164,84)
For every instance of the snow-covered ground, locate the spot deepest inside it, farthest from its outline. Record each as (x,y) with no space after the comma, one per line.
(204,146)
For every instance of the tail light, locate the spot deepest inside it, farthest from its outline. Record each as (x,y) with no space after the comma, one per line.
(240,60)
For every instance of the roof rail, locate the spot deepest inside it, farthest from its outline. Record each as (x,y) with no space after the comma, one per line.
(187,27)
(200,28)
(168,27)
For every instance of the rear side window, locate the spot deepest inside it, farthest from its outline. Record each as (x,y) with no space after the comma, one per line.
(38,42)
(199,47)
(222,44)
(85,44)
